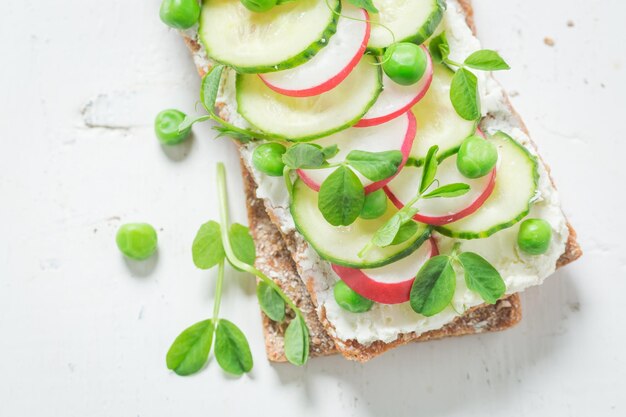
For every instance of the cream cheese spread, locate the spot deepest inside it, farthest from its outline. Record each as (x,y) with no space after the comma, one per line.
(519,271)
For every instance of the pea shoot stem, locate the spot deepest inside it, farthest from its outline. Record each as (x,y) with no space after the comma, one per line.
(218,292)
(228,250)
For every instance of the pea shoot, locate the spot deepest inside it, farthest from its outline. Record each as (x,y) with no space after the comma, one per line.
(258,6)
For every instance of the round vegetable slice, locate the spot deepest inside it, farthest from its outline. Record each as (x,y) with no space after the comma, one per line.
(307,118)
(331,65)
(512,196)
(409,20)
(390,284)
(396,99)
(341,245)
(439,124)
(397,134)
(440,211)
(284,37)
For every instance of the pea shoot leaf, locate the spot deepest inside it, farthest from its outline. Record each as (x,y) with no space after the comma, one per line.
(386,235)
(486,60)
(242,243)
(405,232)
(297,342)
(207,250)
(364,4)
(341,197)
(237,134)
(430,168)
(439,48)
(450,190)
(482,277)
(305,156)
(232,351)
(434,286)
(330,151)
(210,86)
(189,121)
(271,302)
(191,348)
(464,94)
(375,166)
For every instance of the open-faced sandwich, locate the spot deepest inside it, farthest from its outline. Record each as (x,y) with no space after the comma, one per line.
(393,193)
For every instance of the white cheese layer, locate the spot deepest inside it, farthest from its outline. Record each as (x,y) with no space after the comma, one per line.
(387,322)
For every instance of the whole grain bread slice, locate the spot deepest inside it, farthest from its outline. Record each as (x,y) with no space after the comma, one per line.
(280,257)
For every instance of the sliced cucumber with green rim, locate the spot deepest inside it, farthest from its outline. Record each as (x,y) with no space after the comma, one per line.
(284,37)
(512,196)
(437,121)
(341,245)
(307,118)
(409,20)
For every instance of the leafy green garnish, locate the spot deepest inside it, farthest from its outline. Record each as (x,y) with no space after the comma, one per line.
(364,4)
(271,302)
(207,250)
(482,277)
(191,348)
(439,48)
(330,151)
(430,168)
(341,197)
(449,190)
(242,243)
(486,60)
(405,232)
(210,86)
(304,156)
(433,287)
(464,94)
(231,348)
(297,341)
(375,166)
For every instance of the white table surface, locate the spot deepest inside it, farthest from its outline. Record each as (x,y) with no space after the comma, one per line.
(84,333)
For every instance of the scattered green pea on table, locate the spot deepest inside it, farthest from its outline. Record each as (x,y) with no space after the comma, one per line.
(137,241)
(166,127)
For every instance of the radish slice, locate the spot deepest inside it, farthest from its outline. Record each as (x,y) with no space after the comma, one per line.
(329,66)
(440,211)
(390,284)
(396,99)
(398,134)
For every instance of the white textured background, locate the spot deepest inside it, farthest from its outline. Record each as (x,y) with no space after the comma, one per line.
(84,333)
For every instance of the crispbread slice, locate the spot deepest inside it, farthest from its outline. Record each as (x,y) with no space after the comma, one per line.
(276,255)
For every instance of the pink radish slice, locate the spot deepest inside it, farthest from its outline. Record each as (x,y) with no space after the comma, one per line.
(396,99)
(398,134)
(390,284)
(440,211)
(332,64)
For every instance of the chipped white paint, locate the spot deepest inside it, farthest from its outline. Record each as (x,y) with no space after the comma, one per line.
(85,332)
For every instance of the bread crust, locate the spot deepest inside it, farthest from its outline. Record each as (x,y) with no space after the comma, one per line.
(280,256)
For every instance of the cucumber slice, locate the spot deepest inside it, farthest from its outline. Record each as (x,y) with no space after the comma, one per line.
(437,121)
(284,37)
(341,245)
(512,196)
(409,20)
(307,118)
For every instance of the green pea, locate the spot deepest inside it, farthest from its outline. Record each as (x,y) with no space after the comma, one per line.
(534,236)
(258,6)
(137,240)
(268,158)
(375,205)
(180,14)
(166,127)
(349,300)
(476,157)
(404,63)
